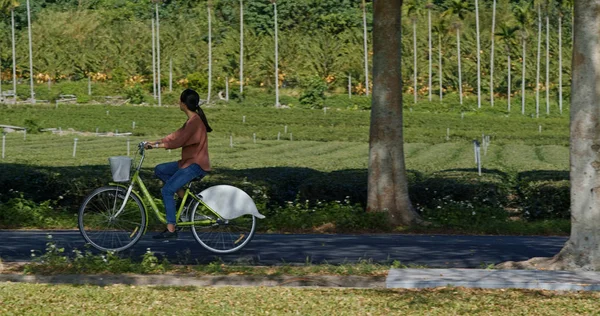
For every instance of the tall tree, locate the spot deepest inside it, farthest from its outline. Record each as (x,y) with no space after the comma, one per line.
(14,54)
(241,47)
(210,60)
(366,51)
(441,29)
(158,88)
(429,6)
(539,52)
(564,6)
(30,53)
(492,54)
(478,54)
(547,58)
(414,11)
(582,249)
(154,92)
(387,182)
(523,18)
(274,2)
(507,34)
(459,9)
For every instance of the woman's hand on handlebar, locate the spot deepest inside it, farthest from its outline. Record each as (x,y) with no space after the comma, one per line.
(151,145)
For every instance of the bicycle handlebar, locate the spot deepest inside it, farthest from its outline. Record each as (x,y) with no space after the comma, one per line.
(142,147)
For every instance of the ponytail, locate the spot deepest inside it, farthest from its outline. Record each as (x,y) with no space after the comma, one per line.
(191,99)
(203,118)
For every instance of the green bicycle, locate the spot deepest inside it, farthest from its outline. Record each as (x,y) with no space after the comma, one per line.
(222,218)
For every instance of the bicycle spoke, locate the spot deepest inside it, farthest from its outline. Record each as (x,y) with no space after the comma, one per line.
(99,226)
(224,236)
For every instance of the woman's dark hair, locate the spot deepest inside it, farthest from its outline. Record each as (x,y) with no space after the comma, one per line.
(191,99)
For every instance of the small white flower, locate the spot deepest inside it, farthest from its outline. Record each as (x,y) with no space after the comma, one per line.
(473,212)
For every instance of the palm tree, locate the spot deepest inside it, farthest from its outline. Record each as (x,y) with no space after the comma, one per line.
(154,94)
(492,55)
(364,12)
(563,6)
(208,7)
(14,55)
(539,49)
(478,54)
(158,54)
(30,53)
(241,47)
(413,11)
(274,2)
(523,18)
(459,9)
(441,29)
(547,60)
(429,6)
(508,34)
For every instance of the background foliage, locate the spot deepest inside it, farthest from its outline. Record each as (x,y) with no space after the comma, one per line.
(111,40)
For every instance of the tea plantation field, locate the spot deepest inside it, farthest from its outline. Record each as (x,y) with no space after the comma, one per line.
(290,160)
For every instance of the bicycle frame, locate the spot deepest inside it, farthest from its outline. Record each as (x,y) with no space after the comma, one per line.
(147,197)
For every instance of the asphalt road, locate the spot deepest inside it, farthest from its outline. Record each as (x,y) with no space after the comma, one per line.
(433,251)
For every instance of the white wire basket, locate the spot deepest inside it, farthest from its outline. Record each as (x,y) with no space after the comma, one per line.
(120,167)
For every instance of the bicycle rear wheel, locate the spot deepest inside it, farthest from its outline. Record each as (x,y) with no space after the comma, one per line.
(220,235)
(99,224)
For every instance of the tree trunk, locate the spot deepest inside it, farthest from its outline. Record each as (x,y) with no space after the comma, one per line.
(14,55)
(523,78)
(171,74)
(508,94)
(582,250)
(478,54)
(349,86)
(365,47)
(241,47)
(492,55)
(547,65)
(154,94)
(158,92)
(30,54)
(209,53)
(560,96)
(537,72)
(387,184)
(459,70)
(276,56)
(430,50)
(414,23)
(441,74)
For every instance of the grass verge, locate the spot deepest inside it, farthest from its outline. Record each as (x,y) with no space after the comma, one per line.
(20,299)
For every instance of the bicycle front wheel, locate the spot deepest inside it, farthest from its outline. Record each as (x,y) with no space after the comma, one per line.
(108,222)
(220,235)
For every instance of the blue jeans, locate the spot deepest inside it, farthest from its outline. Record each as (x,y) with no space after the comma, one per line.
(175,178)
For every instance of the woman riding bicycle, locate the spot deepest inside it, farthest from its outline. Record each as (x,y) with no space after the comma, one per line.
(193,141)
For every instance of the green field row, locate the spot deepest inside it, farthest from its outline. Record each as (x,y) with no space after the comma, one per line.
(426,124)
(244,153)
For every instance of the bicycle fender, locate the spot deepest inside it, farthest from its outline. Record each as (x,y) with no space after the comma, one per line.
(229,201)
